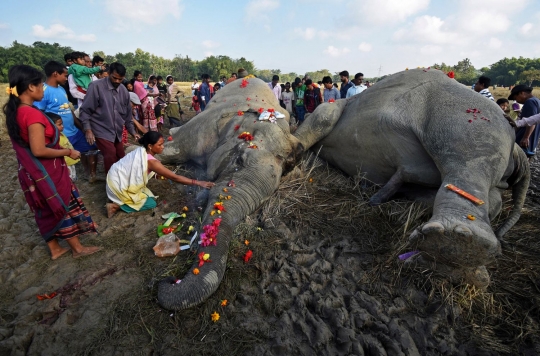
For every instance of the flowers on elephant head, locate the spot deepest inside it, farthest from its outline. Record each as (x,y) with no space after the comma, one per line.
(215,316)
(246,136)
(236,127)
(253,146)
(209,236)
(244,83)
(240,113)
(450,75)
(261,110)
(331,100)
(224,302)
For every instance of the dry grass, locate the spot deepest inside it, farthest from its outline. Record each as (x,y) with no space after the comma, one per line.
(504,92)
(501,319)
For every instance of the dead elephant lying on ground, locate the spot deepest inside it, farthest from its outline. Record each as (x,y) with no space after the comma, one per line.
(409,132)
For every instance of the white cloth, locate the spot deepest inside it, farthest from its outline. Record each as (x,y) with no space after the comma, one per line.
(528,121)
(74,92)
(355,89)
(276,90)
(127,179)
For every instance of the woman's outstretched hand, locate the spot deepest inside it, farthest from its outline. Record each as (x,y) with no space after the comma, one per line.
(206,185)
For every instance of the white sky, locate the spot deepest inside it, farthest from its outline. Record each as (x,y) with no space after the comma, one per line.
(296,35)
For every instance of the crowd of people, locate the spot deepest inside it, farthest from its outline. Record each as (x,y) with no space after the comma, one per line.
(87,108)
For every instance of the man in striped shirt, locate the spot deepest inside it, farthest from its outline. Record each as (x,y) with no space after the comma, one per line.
(482,87)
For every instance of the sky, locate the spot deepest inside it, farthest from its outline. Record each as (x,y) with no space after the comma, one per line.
(375,37)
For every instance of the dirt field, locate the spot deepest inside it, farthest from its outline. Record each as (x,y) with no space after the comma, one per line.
(325,279)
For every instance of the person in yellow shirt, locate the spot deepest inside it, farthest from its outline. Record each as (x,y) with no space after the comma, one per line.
(64,143)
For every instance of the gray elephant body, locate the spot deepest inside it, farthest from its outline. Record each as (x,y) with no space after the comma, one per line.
(414,129)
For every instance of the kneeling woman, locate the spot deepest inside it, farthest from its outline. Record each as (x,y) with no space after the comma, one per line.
(127,178)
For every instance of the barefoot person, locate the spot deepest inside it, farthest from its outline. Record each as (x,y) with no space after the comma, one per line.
(127,178)
(43,174)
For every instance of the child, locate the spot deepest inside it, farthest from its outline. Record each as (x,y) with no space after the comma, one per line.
(64,143)
(195,103)
(135,107)
(159,106)
(82,75)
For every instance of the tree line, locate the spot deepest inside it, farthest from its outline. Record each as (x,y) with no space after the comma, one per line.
(507,71)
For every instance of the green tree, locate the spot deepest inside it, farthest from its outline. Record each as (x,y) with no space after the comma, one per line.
(531,75)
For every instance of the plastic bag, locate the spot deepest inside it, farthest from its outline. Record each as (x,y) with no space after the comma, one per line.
(167,245)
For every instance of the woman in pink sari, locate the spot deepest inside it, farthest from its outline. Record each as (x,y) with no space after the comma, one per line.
(43,174)
(147,115)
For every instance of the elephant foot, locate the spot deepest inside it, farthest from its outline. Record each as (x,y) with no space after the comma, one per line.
(457,242)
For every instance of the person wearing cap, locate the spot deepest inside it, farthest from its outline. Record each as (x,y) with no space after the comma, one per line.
(527,137)
(135,102)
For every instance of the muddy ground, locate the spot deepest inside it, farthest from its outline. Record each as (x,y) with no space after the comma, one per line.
(324,279)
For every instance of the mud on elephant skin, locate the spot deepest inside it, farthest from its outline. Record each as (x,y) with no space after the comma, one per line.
(421,128)
(211,139)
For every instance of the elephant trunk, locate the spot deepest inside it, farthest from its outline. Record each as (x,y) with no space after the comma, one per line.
(520,183)
(256,174)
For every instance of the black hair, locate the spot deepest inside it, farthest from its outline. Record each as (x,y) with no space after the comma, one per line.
(217,85)
(327,80)
(335,84)
(319,82)
(485,81)
(344,74)
(77,55)
(52,67)
(118,68)
(97,59)
(308,82)
(275,77)
(68,57)
(297,80)
(54,117)
(169,76)
(502,101)
(159,77)
(358,75)
(205,76)
(19,76)
(152,77)
(150,138)
(288,83)
(233,74)
(136,73)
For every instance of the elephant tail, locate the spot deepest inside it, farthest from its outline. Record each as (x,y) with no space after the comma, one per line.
(520,184)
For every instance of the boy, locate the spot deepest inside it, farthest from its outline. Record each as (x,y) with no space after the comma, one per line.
(64,143)
(287,97)
(299,92)
(82,75)
(312,97)
(55,101)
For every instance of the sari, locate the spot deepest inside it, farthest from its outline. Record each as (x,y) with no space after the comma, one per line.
(51,195)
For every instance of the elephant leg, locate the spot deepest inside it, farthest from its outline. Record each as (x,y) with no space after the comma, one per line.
(256,174)
(320,123)
(388,190)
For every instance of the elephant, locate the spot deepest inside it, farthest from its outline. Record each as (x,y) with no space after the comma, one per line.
(416,132)
(410,132)
(255,165)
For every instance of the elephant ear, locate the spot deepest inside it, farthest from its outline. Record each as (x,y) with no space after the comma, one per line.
(319,124)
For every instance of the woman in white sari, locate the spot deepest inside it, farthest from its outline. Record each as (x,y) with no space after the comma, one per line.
(127,178)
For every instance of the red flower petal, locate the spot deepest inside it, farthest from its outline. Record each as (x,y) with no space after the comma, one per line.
(240,113)
(248,256)
(236,127)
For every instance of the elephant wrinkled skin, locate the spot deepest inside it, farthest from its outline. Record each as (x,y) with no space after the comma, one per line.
(410,130)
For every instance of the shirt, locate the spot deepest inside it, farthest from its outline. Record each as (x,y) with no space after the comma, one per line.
(312,99)
(331,94)
(55,100)
(355,89)
(276,90)
(74,91)
(530,108)
(27,116)
(528,121)
(106,110)
(299,92)
(487,94)
(204,94)
(344,88)
(287,98)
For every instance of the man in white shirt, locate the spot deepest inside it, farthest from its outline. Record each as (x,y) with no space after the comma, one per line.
(275,87)
(194,86)
(357,86)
